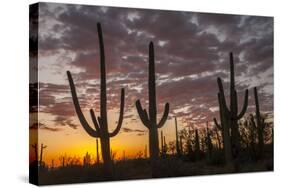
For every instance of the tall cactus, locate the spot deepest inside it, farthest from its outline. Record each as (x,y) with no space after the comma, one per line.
(97,151)
(100,123)
(209,141)
(218,138)
(162,143)
(181,146)
(232,112)
(145,151)
(260,124)
(197,145)
(165,146)
(34,146)
(177,138)
(224,128)
(150,119)
(41,154)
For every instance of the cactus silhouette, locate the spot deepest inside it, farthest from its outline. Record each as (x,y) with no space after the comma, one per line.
(145,151)
(209,141)
(260,124)
(150,119)
(100,123)
(181,147)
(97,151)
(177,139)
(41,154)
(218,138)
(34,146)
(224,128)
(162,141)
(87,160)
(231,113)
(163,145)
(197,145)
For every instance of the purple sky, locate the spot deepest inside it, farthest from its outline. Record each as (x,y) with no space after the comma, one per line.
(191,51)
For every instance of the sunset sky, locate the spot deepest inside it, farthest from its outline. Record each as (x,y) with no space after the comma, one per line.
(191,51)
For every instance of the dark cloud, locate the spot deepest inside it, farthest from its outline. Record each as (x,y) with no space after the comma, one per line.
(65,121)
(42,126)
(129,130)
(191,51)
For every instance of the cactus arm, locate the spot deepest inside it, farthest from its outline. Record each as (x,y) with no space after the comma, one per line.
(217,124)
(119,124)
(165,116)
(100,121)
(78,110)
(94,119)
(222,96)
(245,105)
(143,114)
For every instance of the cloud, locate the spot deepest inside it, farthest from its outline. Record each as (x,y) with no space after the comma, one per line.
(139,132)
(191,51)
(65,121)
(42,126)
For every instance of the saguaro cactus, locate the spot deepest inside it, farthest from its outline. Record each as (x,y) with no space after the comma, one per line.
(87,159)
(218,138)
(34,146)
(162,142)
(177,138)
(145,151)
(165,146)
(197,145)
(97,151)
(150,119)
(260,124)
(100,123)
(231,113)
(224,128)
(209,141)
(41,154)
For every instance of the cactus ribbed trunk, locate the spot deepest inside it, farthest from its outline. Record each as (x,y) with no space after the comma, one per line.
(100,123)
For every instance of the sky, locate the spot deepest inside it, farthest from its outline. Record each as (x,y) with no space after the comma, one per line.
(191,51)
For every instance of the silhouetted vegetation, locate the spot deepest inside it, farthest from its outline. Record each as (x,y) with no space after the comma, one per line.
(238,143)
(100,123)
(149,119)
